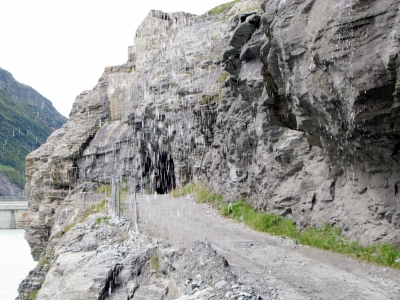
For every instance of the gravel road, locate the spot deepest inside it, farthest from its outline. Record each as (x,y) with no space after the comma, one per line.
(272,265)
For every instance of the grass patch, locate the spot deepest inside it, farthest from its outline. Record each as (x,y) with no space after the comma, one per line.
(94,209)
(59,234)
(155,263)
(205,195)
(207,99)
(183,191)
(68,227)
(327,237)
(105,220)
(42,262)
(201,194)
(104,189)
(223,77)
(33,295)
(222,8)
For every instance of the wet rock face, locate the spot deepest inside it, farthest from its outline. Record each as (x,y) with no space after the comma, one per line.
(292,109)
(334,76)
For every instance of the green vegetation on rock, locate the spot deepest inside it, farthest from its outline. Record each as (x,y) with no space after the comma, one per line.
(208,99)
(93,209)
(223,77)
(222,8)
(105,220)
(155,263)
(33,295)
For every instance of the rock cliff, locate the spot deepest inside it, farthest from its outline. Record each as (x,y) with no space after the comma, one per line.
(291,105)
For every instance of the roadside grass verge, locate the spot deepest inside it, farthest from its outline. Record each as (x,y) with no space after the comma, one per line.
(326,237)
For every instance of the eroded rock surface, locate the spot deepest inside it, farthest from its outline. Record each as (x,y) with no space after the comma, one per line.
(334,77)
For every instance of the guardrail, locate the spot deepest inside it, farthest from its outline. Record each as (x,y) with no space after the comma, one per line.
(13,198)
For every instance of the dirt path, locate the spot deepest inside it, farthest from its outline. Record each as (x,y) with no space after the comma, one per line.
(275,266)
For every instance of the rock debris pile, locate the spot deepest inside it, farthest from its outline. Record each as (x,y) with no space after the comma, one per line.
(103,258)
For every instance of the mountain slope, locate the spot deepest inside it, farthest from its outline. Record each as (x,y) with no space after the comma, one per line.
(26,120)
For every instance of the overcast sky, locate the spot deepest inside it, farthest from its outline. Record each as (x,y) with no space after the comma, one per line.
(60,48)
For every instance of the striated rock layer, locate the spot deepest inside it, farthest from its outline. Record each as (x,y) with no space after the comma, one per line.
(292,107)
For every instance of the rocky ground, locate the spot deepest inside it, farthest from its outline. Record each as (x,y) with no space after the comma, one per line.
(185,250)
(105,258)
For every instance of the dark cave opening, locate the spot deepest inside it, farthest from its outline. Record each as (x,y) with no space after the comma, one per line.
(164,174)
(160,172)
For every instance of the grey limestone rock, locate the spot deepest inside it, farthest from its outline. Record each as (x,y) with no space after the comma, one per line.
(242,34)
(306,130)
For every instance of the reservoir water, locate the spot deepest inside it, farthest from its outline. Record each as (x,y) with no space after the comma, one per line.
(15,262)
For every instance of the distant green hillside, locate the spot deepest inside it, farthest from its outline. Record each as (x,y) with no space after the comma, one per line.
(24,125)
